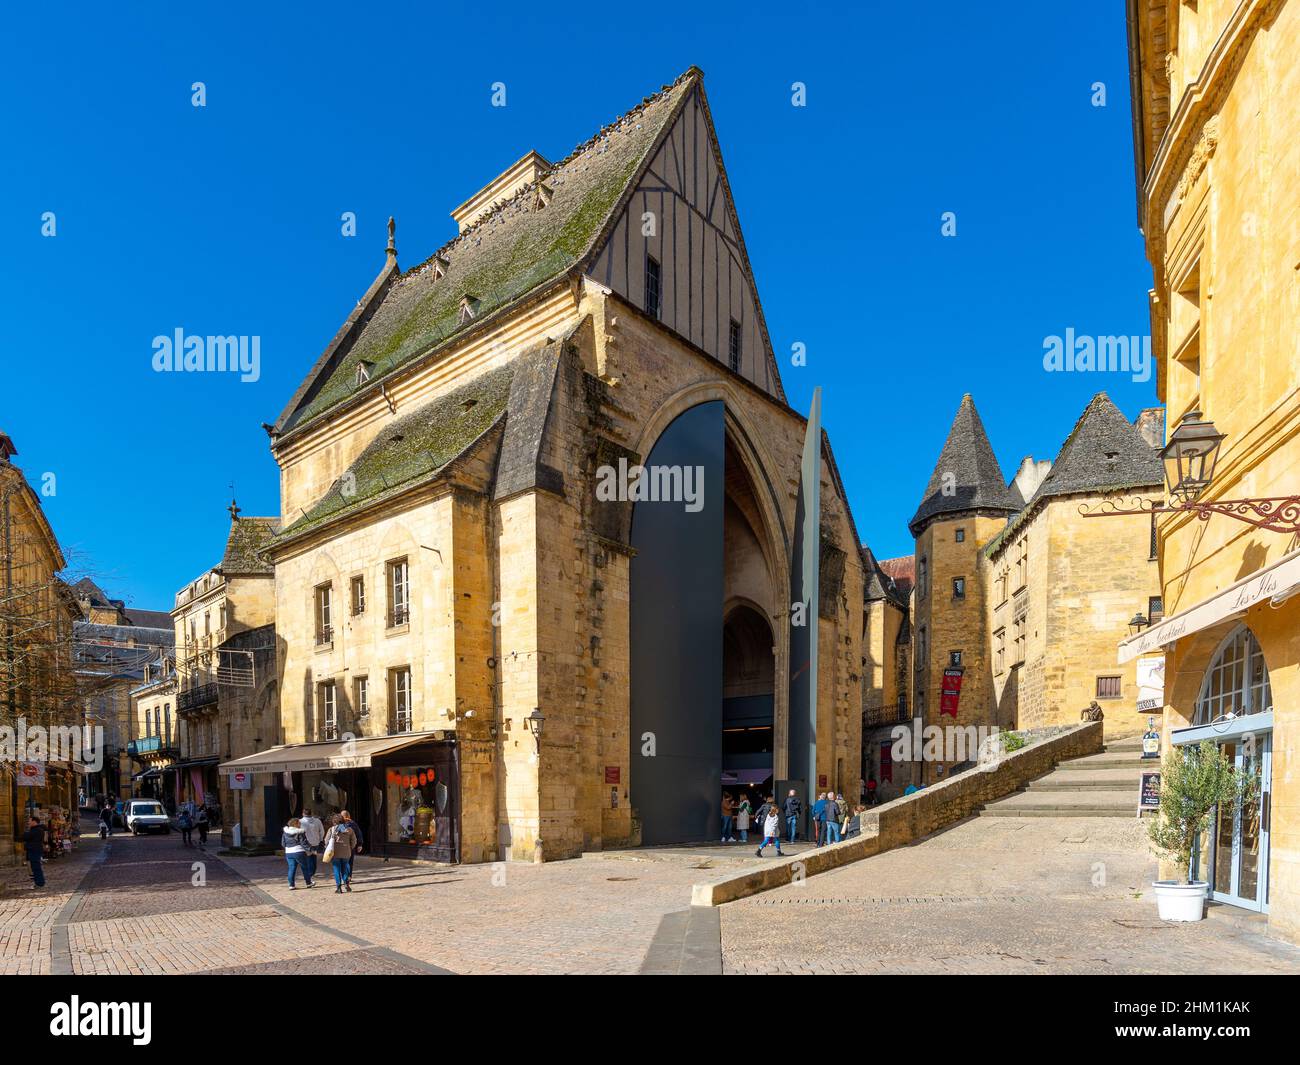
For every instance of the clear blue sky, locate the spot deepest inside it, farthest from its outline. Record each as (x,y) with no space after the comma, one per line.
(225,220)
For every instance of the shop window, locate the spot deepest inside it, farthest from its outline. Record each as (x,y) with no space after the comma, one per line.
(1110,687)
(415,798)
(399,593)
(1237,681)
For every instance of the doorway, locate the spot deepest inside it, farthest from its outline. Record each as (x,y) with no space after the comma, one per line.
(1238,844)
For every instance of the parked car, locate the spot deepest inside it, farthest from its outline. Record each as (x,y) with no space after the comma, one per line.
(147,815)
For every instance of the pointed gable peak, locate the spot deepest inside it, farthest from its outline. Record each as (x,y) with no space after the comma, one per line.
(967,476)
(1104,452)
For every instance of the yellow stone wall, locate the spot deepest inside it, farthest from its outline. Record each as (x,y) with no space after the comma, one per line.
(1223,223)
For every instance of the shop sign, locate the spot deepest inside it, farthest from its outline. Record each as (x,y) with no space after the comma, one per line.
(240,781)
(1149,791)
(31,774)
(1151,683)
(612,774)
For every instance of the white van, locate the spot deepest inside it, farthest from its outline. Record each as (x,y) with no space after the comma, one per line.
(146,815)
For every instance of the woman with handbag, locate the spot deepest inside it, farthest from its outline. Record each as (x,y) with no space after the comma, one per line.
(340,842)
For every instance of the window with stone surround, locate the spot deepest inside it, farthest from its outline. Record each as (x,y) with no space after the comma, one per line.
(1000,651)
(399,593)
(361,696)
(1110,687)
(959,587)
(399,698)
(324,614)
(358,595)
(328,709)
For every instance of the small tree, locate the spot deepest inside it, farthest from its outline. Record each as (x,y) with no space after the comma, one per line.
(1195,780)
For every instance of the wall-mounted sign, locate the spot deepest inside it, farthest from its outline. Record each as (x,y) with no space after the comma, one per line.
(1151,683)
(240,781)
(1149,791)
(31,774)
(613,774)
(950,693)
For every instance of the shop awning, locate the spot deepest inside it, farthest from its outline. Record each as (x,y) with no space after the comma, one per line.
(147,774)
(328,754)
(1275,582)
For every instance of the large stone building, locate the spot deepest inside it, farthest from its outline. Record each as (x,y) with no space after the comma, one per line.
(491,645)
(37,615)
(227,697)
(886,671)
(1018,595)
(1216,109)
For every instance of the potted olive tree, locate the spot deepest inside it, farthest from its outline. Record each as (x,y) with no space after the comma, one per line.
(1194,780)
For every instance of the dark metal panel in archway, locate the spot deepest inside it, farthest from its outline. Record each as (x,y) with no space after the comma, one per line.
(676,631)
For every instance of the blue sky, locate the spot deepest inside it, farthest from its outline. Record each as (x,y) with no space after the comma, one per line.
(226,219)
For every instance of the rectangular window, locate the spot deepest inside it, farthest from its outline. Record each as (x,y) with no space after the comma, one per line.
(1109,687)
(921,576)
(1155,545)
(959,587)
(399,593)
(920,648)
(399,698)
(1000,651)
(652,286)
(327,704)
(954,658)
(960,536)
(324,614)
(1155,608)
(1018,641)
(358,595)
(361,696)
(733,345)
(1022,562)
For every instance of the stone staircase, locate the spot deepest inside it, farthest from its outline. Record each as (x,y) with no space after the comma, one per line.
(1096,785)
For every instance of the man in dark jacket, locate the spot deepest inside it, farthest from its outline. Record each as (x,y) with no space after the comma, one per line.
(792,808)
(33,846)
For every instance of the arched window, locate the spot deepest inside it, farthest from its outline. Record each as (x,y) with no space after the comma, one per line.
(1237,680)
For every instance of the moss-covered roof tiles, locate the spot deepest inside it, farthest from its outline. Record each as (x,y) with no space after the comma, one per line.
(416,447)
(513,249)
(248,537)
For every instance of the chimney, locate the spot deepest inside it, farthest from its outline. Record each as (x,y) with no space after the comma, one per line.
(1030,475)
(1151,424)
(528,170)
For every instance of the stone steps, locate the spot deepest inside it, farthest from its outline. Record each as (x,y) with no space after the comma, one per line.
(1096,785)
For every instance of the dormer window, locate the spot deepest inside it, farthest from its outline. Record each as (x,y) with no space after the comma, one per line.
(440,267)
(363,372)
(542,196)
(468,309)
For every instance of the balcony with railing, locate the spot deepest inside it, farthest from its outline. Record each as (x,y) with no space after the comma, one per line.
(876,716)
(145,746)
(196,698)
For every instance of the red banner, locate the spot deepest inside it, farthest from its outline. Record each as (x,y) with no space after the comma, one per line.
(951,692)
(887,761)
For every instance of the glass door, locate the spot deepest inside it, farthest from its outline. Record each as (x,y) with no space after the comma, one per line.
(1240,838)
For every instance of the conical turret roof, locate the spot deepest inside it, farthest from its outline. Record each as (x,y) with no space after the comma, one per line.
(967,476)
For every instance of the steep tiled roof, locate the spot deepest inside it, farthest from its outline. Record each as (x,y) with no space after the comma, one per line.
(878,583)
(967,476)
(149,619)
(248,537)
(902,571)
(512,250)
(1104,452)
(415,447)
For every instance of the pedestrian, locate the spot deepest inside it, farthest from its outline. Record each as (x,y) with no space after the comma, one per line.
(33,847)
(771,832)
(186,824)
(831,820)
(105,821)
(314,829)
(743,812)
(793,810)
(294,842)
(819,819)
(871,790)
(340,845)
(201,823)
(346,819)
(728,820)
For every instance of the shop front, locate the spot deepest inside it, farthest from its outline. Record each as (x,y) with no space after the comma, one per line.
(404,791)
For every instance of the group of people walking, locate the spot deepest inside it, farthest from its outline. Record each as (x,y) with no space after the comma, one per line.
(305,839)
(832,819)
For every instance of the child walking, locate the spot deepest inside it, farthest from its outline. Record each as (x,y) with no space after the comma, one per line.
(771,831)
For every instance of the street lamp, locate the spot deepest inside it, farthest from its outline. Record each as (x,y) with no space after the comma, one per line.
(1138,623)
(534,724)
(1190,455)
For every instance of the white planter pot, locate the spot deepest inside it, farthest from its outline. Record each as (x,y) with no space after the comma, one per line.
(1180,902)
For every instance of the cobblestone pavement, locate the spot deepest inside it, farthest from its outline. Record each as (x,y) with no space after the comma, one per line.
(991,895)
